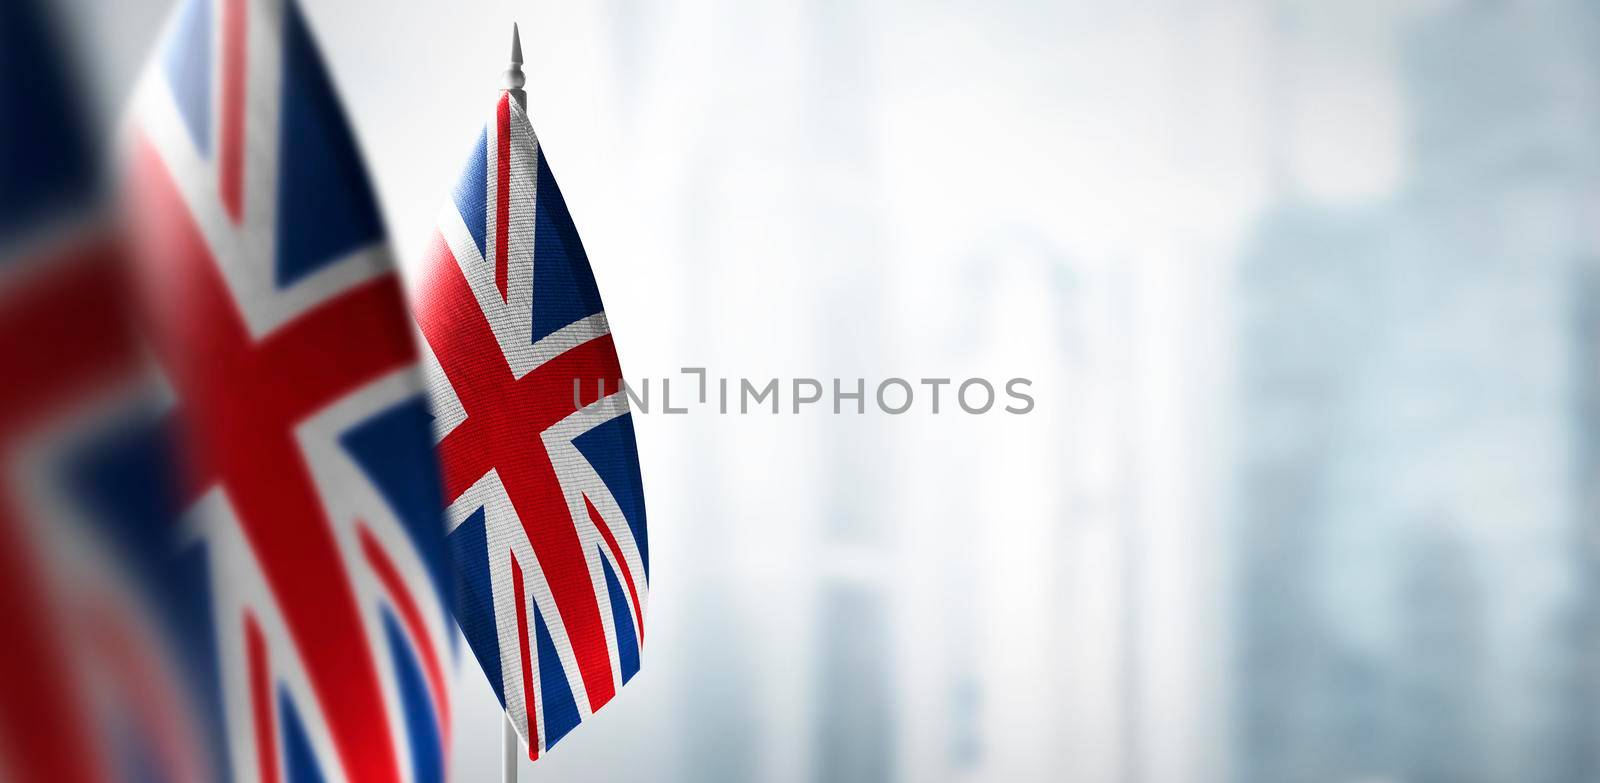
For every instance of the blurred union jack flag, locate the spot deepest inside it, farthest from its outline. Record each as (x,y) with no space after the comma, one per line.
(308,482)
(91,683)
(544,500)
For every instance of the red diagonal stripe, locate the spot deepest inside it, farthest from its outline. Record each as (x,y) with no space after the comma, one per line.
(231,157)
(255,650)
(389,575)
(502,198)
(454,326)
(523,629)
(622,563)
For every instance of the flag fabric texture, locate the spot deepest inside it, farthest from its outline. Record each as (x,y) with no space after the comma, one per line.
(308,488)
(544,502)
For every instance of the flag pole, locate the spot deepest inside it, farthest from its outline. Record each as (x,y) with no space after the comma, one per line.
(514,80)
(508,750)
(513,76)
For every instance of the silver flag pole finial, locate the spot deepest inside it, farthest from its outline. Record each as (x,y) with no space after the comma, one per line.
(514,80)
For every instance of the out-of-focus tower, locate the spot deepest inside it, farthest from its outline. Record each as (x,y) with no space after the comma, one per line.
(1579,635)
(1442,656)
(854,717)
(1411,399)
(1304,704)
(1305,701)
(1505,99)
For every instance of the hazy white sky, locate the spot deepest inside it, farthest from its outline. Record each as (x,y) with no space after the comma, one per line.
(756,165)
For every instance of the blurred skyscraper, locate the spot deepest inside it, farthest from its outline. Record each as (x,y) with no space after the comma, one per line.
(1578,683)
(855,721)
(1412,458)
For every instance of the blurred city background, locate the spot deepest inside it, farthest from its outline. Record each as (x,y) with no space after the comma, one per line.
(1309,292)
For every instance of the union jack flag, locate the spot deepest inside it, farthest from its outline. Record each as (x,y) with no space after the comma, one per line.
(91,683)
(544,500)
(309,487)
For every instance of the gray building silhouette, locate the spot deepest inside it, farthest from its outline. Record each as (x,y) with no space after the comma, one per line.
(1413,598)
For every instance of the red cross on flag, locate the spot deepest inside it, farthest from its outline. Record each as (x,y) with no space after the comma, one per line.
(535,439)
(309,489)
